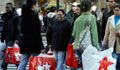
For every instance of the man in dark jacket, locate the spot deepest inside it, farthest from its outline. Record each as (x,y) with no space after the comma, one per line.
(51,16)
(11,29)
(107,13)
(72,14)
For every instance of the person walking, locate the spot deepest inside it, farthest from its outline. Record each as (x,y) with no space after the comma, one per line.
(80,24)
(50,20)
(31,44)
(60,34)
(107,13)
(72,15)
(112,32)
(11,29)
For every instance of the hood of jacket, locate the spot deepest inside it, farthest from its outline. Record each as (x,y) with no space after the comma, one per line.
(51,15)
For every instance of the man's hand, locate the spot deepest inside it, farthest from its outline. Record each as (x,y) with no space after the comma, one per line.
(49,46)
(42,51)
(16,41)
(104,47)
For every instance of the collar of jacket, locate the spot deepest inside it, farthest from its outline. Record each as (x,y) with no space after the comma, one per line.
(86,13)
(13,13)
(117,17)
(112,21)
(62,20)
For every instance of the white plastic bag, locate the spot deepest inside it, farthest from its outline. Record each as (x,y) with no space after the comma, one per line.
(94,60)
(2,50)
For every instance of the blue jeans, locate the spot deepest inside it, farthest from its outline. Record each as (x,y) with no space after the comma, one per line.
(114,55)
(24,60)
(60,59)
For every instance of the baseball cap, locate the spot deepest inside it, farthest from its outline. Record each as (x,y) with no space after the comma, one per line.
(75,4)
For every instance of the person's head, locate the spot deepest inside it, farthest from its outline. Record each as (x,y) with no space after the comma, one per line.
(111,3)
(53,9)
(117,10)
(74,6)
(31,4)
(78,10)
(9,7)
(60,15)
(85,6)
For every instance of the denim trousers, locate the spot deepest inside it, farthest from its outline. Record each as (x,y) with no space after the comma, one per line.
(24,60)
(60,59)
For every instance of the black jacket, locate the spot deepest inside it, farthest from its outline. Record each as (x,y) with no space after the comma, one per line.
(60,35)
(106,15)
(11,27)
(30,28)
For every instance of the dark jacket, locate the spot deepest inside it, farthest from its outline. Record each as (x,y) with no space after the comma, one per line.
(71,17)
(30,28)
(51,17)
(106,15)
(60,35)
(11,27)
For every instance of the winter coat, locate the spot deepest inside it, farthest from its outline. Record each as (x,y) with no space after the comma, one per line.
(110,37)
(31,40)
(80,24)
(60,34)
(11,27)
(71,17)
(107,13)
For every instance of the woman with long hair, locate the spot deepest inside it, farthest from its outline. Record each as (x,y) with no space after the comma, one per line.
(80,25)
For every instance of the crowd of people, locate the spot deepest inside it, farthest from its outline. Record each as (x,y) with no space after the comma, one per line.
(61,29)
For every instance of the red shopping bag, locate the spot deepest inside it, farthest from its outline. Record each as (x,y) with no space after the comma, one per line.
(42,63)
(71,60)
(12,55)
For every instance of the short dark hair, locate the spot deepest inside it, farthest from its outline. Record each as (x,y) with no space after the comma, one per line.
(108,0)
(30,3)
(53,9)
(10,4)
(117,6)
(85,6)
(62,11)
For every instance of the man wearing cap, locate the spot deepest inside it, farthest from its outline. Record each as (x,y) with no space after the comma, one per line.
(71,15)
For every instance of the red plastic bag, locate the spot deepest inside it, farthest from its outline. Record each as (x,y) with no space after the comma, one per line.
(12,55)
(71,60)
(43,62)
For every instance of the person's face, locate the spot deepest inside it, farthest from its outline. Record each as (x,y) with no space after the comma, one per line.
(60,16)
(77,11)
(8,8)
(111,3)
(117,11)
(74,9)
(34,8)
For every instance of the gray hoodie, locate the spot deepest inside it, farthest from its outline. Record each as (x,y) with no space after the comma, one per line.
(51,15)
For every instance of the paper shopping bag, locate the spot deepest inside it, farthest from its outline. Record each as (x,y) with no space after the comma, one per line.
(12,55)
(42,62)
